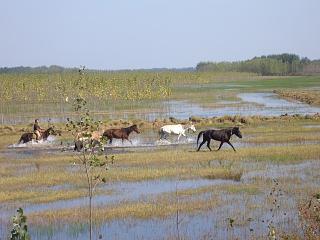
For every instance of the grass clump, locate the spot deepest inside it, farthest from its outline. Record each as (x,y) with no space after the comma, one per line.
(307,96)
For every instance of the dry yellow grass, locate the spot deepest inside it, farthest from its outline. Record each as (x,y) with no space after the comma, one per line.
(281,154)
(307,96)
(40,196)
(160,208)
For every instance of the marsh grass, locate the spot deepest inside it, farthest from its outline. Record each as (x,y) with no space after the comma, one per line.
(128,93)
(308,96)
(276,154)
(40,196)
(31,180)
(161,208)
(145,166)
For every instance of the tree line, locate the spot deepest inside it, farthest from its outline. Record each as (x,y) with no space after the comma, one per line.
(276,64)
(40,69)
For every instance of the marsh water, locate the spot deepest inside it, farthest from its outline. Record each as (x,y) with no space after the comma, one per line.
(251,212)
(239,206)
(260,103)
(263,104)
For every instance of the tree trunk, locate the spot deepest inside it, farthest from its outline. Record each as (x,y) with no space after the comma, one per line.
(90,216)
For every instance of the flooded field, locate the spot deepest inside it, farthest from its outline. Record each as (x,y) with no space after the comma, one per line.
(247,202)
(214,201)
(248,104)
(263,104)
(164,189)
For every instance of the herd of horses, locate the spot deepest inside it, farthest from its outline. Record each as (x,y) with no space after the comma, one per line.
(221,135)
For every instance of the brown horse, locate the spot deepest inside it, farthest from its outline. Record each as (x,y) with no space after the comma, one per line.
(120,133)
(27,137)
(222,135)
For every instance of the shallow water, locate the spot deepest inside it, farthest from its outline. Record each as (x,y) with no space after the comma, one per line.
(129,191)
(262,103)
(33,144)
(251,212)
(311,126)
(146,141)
(272,171)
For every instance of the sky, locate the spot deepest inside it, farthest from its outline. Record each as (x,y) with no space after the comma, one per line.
(131,34)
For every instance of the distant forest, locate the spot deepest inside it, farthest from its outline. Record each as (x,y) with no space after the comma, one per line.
(41,69)
(57,69)
(277,64)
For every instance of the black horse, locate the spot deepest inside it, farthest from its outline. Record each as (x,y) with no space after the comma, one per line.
(222,135)
(27,137)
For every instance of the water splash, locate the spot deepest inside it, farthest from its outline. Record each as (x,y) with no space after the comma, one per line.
(50,140)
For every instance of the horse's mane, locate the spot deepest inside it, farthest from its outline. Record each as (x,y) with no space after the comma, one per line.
(130,127)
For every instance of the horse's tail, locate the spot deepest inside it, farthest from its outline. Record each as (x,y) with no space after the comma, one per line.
(199,135)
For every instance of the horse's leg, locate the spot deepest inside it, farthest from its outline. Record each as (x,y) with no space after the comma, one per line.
(220,146)
(203,142)
(185,136)
(208,144)
(160,135)
(179,136)
(166,136)
(129,140)
(163,135)
(231,146)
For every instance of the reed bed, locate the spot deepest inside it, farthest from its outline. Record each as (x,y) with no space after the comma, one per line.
(308,96)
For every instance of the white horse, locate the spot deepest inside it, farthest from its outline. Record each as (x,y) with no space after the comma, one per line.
(177,129)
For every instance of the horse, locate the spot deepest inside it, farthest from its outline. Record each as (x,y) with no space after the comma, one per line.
(177,129)
(120,133)
(222,135)
(27,137)
(80,139)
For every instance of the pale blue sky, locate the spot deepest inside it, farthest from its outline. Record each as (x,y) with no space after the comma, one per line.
(118,34)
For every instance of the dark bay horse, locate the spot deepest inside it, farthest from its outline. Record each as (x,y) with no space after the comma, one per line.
(27,137)
(222,135)
(120,133)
